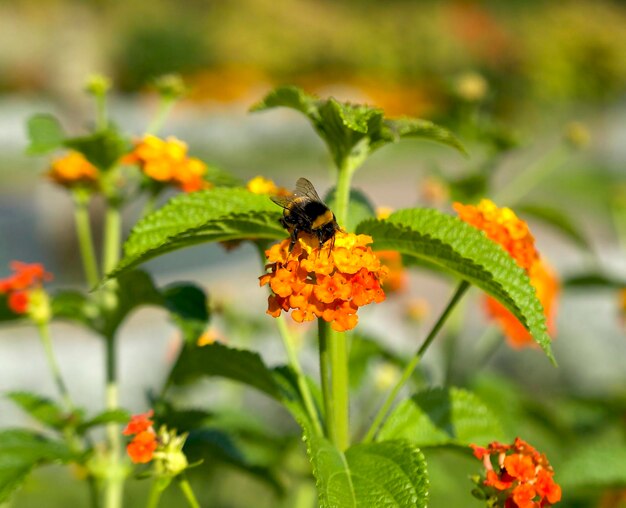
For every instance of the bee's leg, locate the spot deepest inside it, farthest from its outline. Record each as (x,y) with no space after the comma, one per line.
(294,238)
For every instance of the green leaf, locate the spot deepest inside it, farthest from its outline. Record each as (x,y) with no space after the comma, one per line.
(594,280)
(109,416)
(595,465)
(445,243)
(41,409)
(351,131)
(75,306)
(442,417)
(214,215)
(20,451)
(103,148)
(558,220)
(219,360)
(389,474)
(189,308)
(6,314)
(45,134)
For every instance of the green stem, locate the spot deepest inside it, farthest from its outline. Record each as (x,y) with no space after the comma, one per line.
(165,106)
(155,493)
(408,371)
(85,240)
(303,386)
(342,193)
(526,180)
(112,237)
(185,487)
(115,480)
(44,334)
(334,372)
(101,111)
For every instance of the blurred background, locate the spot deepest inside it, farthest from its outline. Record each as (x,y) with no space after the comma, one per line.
(535,89)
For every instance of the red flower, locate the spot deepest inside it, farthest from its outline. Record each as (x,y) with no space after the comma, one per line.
(24,284)
(141,448)
(139,423)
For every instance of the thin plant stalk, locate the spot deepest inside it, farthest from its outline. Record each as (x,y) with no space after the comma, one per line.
(112,237)
(158,486)
(165,107)
(185,487)
(408,371)
(44,334)
(85,240)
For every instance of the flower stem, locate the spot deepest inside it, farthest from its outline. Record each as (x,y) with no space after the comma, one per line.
(408,371)
(85,240)
(165,106)
(334,373)
(185,487)
(44,334)
(101,112)
(112,237)
(115,479)
(303,386)
(342,193)
(155,493)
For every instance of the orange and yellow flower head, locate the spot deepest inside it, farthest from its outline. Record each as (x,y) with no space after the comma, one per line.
(324,282)
(504,227)
(166,161)
(73,170)
(261,185)
(521,477)
(144,443)
(24,290)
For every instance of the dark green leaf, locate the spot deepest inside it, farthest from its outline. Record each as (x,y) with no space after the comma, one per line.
(41,409)
(442,417)
(103,148)
(214,215)
(594,280)
(558,220)
(446,243)
(6,314)
(44,133)
(219,360)
(20,451)
(188,306)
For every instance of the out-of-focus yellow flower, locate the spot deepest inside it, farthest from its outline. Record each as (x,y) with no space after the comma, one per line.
(320,282)
(209,337)
(261,185)
(166,161)
(397,279)
(73,169)
(471,87)
(417,309)
(434,191)
(386,375)
(383,212)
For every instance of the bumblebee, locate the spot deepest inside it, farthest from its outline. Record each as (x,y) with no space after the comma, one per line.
(304,211)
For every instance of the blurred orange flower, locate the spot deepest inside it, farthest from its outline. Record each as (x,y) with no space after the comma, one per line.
(142,447)
(261,185)
(522,474)
(166,161)
(19,287)
(504,227)
(139,423)
(396,280)
(324,282)
(73,169)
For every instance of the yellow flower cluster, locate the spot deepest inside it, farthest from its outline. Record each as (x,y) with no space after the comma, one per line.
(73,169)
(324,282)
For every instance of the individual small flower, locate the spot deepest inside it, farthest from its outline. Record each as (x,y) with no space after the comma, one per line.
(417,309)
(166,161)
(521,477)
(72,170)
(471,87)
(141,449)
(504,227)
(210,336)
(139,423)
(261,185)
(434,191)
(383,212)
(324,282)
(25,294)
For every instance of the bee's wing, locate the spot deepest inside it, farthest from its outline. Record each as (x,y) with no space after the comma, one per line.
(284,201)
(305,188)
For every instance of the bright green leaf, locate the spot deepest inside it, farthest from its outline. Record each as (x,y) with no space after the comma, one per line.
(219,360)
(446,243)
(103,148)
(214,215)
(20,451)
(45,134)
(352,131)
(442,417)
(389,474)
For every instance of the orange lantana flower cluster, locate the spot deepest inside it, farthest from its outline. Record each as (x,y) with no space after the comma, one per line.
(324,282)
(504,227)
(73,170)
(167,161)
(144,443)
(261,185)
(20,286)
(523,477)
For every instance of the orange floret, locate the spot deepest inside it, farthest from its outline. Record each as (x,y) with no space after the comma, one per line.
(139,423)
(141,449)
(26,281)
(523,477)
(261,185)
(73,169)
(166,161)
(320,282)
